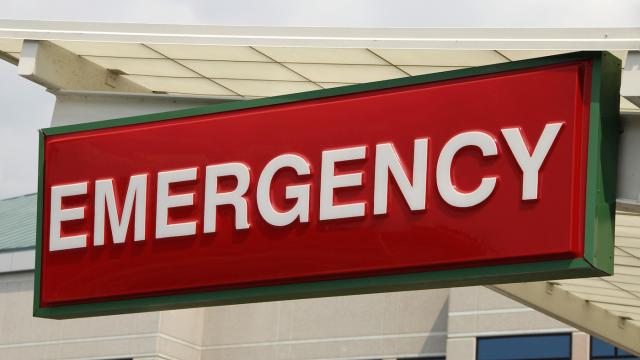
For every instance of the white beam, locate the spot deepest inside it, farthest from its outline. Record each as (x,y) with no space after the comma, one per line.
(75,107)
(620,38)
(628,187)
(630,86)
(56,68)
(572,310)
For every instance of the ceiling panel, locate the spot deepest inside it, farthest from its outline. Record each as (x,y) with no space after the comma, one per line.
(440,57)
(627,105)
(628,231)
(627,241)
(614,300)
(200,86)
(266,88)
(242,70)
(332,85)
(346,73)
(626,314)
(156,67)
(129,50)
(619,252)
(623,279)
(633,251)
(209,52)
(322,55)
(627,261)
(515,55)
(621,308)
(628,219)
(590,282)
(635,288)
(627,270)
(588,291)
(421,70)
(11,45)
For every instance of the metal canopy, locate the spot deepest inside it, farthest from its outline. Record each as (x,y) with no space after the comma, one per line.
(246,62)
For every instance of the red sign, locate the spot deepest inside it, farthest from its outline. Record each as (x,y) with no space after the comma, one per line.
(475,176)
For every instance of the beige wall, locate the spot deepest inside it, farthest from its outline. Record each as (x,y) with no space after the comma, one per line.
(25,337)
(377,326)
(364,326)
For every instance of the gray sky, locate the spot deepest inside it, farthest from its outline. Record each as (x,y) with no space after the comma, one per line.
(397,13)
(26,107)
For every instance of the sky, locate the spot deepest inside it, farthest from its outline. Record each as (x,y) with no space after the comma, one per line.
(397,13)
(25,107)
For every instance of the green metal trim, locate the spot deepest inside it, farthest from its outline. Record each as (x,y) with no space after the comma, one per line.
(598,183)
(413,281)
(40,202)
(604,130)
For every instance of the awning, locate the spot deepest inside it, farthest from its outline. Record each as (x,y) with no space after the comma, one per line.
(247,62)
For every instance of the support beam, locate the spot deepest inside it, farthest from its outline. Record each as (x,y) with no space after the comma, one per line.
(579,313)
(628,192)
(47,64)
(630,87)
(75,107)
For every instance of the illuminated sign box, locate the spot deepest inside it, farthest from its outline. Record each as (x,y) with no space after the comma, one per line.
(501,173)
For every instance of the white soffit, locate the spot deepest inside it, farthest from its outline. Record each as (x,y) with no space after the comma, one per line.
(249,61)
(246,71)
(607,306)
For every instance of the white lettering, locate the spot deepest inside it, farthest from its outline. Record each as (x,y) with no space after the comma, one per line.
(165,202)
(530,163)
(58,215)
(387,160)
(330,181)
(299,192)
(446,188)
(212,198)
(105,195)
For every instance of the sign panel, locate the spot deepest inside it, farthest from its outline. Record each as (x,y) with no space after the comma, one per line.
(501,173)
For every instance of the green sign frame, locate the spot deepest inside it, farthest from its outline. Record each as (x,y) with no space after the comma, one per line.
(599,211)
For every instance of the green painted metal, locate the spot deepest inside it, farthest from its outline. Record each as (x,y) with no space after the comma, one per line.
(604,130)
(376,284)
(599,213)
(38,265)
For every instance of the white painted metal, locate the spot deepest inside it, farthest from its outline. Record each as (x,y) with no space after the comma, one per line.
(608,307)
(630,87)
(56,68)
(382,37)
(74,107)
(628,192)
(575,311)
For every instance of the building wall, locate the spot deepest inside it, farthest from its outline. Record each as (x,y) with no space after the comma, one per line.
(477,311)
(24,337)
(437,323)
